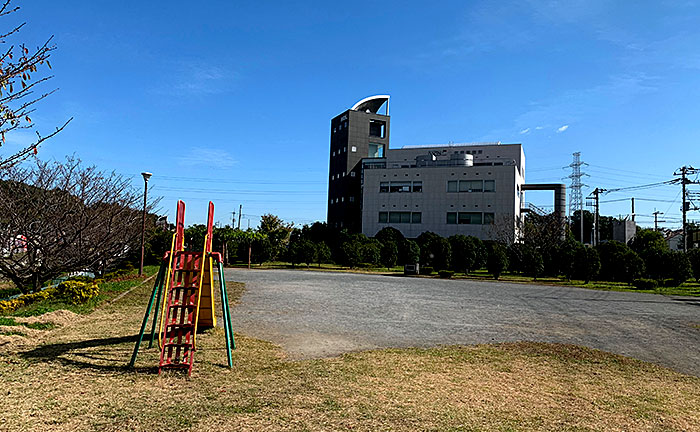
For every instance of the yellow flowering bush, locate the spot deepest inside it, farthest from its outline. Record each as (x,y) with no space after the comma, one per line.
(78,292)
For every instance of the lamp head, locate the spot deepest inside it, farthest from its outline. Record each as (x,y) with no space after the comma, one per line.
(146,175)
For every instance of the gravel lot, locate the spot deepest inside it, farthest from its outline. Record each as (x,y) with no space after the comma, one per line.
(318,314)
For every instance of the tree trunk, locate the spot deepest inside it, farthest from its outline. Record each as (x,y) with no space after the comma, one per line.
(250,250)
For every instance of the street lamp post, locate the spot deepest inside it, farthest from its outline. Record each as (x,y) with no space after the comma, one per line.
(146,176)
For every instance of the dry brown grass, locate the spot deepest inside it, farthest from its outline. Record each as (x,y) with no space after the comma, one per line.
(76,380)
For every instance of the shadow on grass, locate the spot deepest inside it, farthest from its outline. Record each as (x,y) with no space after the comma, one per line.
(102,355)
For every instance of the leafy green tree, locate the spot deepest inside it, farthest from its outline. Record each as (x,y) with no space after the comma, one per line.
(647,240)
(389,254)
(516,257)
(425,242)
(194,237)
(679,267)
(533,262)
(467,253)
(497,260)
(294,254)
(694,258)
(633,266)
(323,253)
(371,253)
(389,234)
(612,260)
(277,232)
(586,264)
(261,250)
(410,252)
(436,251)
(651,247)
(247,241)
(351,253)
(568,257)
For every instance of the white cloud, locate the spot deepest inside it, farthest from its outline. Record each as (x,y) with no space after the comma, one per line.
(196,79)
(539,127)
(562,129)
(525,131)
(207,157)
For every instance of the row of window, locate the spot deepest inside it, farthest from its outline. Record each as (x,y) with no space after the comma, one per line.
(333,177)
(471,186)
(400,217)
(340,127)
(470,218)
(453,218)
(341,199)
(345,150)
(402,186)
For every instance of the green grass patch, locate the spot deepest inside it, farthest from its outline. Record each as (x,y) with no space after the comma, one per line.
(7,321)
(13,333)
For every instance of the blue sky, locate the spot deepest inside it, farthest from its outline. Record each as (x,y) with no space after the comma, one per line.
(232,101)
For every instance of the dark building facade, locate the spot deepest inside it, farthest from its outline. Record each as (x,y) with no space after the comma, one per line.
(356,134)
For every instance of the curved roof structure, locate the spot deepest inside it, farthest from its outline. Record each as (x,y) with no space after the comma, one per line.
(371,104)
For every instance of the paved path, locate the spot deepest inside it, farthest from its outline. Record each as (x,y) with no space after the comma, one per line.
(315,314)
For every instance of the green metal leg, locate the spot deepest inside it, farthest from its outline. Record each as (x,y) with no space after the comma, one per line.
(228,310)
(161,273)
(156,286)
(228,330)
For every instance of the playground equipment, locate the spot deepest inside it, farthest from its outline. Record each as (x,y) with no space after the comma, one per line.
(185,283)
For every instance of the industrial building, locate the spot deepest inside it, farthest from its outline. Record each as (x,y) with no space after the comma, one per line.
(472,189)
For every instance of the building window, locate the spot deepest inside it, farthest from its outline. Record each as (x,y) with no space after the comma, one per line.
(376,150)
(471,186)
(377,128)
(400,217)
(340,126)
(384,187)
(333,153)
(489,218)
(400,187)
(351,199)
(469,218)
(417,186)
(353,149)
(334,130)
(451,218)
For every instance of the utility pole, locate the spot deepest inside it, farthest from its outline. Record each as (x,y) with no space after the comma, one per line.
(233,219)
(596,225)
(576,198)
(684,172)
(146,176)
(632,209)
(656,220)
(240,212)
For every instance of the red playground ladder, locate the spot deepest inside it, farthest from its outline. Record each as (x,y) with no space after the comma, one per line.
(181,311)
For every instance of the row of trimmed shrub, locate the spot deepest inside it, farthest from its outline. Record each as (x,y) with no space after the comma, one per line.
(71,291)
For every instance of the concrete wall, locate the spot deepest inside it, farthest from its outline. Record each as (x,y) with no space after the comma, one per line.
(623,231)
(435,202)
